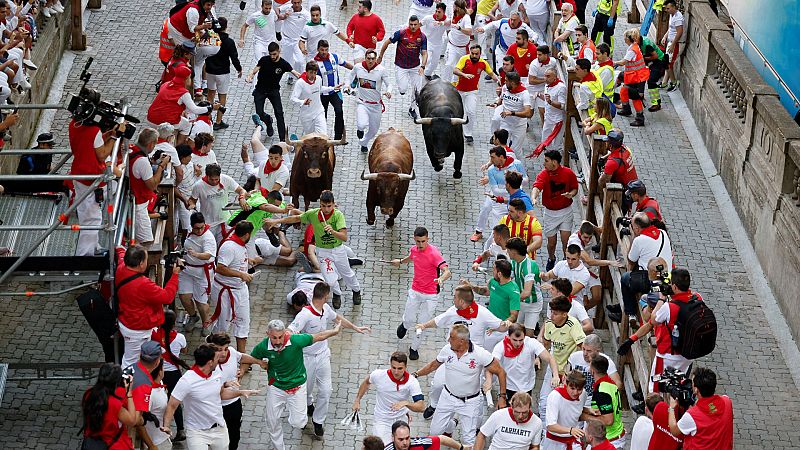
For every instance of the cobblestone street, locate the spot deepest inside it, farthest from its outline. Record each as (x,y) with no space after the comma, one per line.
(124,40)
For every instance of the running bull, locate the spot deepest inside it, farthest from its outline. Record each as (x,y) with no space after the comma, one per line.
(441,116)
(390,171)
(312,168)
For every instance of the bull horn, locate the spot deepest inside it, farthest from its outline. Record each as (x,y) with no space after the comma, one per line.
(366,176)
(406,177)
(457,121)
(423,121)
(342,141)
(291,142)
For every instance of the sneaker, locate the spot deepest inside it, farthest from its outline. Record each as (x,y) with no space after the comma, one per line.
(476,236)
(220,126)
(596,248)
(663,85)
(278,36)
(191,322)
(401,331)
(625,111)
(551,262)
(257,120)
(364,149)
(29,64)
(613,316)
(318,430)
(24,83)
(242,5)
(638,121)
(355,262)
(303,261)
(616,308)
(468,140)
(58,7)
(337,301)
(413,354)
(357,297)
(638,409)
(412,113)
(673,86)
(270,130)
(654,107)
(428,413)
(310,410)
(293,137)
(359,134)
(46,12)
(180,436)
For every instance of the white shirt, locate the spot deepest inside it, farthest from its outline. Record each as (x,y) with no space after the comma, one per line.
(263,26)
(536,7)
(199,126)
(508,434)
(558,94)
(370,84)
(188,180)
(202,403)
(630,55)
(175,345)
(508,35)
(577,362)
(304,90)
(228,370)
(675,21)
(577,310)
(642,432)
(462,376)
(644,248)
(158,405)
(520,373)
(214,198)
(205,243)
(477,326)
(562,411)
(170,150)
(495,250)
(456,37)
(203,161)
(515,102)
(505,9)
(575,239)
(434,30)
(304,282)
(312,34)
(232,256)
(280,176)
(312,321)
(579,274)
(293,25)
(538,69)
(387,393)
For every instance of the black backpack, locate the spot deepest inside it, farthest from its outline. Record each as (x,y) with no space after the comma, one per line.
(697,328)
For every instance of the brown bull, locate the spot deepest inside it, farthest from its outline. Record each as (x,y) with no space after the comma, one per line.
(391,168)
(312,168)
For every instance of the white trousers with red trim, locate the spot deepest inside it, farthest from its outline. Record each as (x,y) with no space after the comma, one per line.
(318,371)
(333,262)
(419,309)
(232,308)
(548,129)
(434,53)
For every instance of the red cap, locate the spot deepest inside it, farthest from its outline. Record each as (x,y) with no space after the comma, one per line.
(182,72)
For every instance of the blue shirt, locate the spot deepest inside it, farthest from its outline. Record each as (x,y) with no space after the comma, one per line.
(525,198)
(329,69)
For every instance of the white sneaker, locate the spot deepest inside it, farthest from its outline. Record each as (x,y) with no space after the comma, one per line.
(46,11)
(29,64)
(24,84)
(57,6)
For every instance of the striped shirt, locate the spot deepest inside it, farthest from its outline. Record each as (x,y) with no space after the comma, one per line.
(524,271)
(420,443)
(525,230)
(329,69)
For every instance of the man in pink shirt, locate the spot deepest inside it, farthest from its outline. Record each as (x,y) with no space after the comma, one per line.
(430,273)
(364,30)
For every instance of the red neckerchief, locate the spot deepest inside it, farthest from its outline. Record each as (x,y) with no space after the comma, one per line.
(508,149)
(314,310)
(554,83)
(589,77)
(198,152)
(571,298)
(322,217)
(563,391)
(161,140)
(205,228)
(511,413)
(456,19)
(206,119)
(227,356)
(319,58)
(286,338)
(508,349)
(605,378)
(413,36)
(364,65)
(470,312)
(652,231)
(159,385)
(205,179)
(304,77)
(546,62)
(268,169)
(401,381)
(202,374)
(234,238)
(264,192)
(606,63)
(509,161)
(444,18)
(518,89)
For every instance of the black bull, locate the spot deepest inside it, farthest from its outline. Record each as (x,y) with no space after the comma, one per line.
(441,116)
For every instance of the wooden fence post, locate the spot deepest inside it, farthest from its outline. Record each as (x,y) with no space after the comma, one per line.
(598,146)
(78,38)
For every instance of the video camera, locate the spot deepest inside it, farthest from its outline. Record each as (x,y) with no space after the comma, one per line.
(174,258)
(662,284)
(87,108)
(677,385)
(624,224)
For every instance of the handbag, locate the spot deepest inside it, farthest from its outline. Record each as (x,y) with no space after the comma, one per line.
(640,279)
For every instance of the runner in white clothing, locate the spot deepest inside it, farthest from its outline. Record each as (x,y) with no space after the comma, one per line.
(370,81)
(263,23)
(581,359)
(458,38)
(565,408)
(508,28)
(292,20)
(420,8)
(313,319)
(555,105)
(434,27)
(317,30)
(512,110)
(213,191)
(536,79)
(396,393)
(306,94)
(194,281)
(516,354)
(513,428)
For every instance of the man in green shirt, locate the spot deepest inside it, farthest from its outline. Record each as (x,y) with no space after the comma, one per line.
(526,273)
(503,298)
(606,401)
(283,353)
(330,232)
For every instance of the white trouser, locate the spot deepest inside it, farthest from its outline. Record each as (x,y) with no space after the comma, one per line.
(419,309)
(333,262)
(383,428)
(434,53)
(368,120)
(318,371)
(453,55)
(313,123)
(470,413)
(549,444)
(516,127)
(484,39)
(202,52)
(483,216)
(89,214)
(231,308)
(499,54)
(279,23)
(409,82)
(184,216)
(437,385)
(358,52)
(470,100)
(420,12)
(212,439)
(295,402)
(529,313)
(144,231)
(545,391)
(17,54)
(539,23)
(496,121)
(134,339)
(619,443)
(290,51)
(548,128)
(260,49)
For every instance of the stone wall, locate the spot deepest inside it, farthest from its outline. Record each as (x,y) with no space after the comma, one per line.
(754,144)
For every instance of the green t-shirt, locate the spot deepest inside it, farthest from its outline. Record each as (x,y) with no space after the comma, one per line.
(503,298)
(321,238)
(256,216)
(286,368)
(649,47)
(526,270)
(606,399)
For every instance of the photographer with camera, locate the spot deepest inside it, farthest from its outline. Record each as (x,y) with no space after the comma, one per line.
(188,18)
(651,430)
(649,242)
(108,410)
(144,181)
(637,192)
(619,167)
(141,301)
(142,383)
(173,100)
(708,425)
